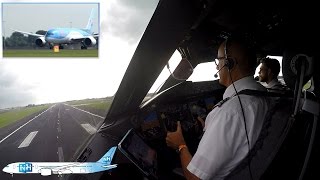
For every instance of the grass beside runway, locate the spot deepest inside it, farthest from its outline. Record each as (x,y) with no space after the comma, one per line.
(50,53)
(101,103)
(96,106)
(16,114)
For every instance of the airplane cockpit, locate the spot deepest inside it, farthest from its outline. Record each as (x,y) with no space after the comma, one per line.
(289,142)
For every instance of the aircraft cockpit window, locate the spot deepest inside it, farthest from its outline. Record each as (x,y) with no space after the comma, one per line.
(165,73)
(49,33)
(204,72)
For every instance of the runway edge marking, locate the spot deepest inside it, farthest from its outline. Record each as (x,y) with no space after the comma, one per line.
(85,111)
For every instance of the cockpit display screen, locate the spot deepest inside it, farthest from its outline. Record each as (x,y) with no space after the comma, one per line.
(141,154)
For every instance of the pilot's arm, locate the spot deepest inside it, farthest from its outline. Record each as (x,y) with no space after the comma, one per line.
(176,141)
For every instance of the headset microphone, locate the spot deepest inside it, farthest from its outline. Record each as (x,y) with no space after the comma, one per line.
(216,74)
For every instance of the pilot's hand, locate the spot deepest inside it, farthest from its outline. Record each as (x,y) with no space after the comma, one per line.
(175,139)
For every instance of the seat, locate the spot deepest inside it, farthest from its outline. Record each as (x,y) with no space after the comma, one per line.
(274,131)
(294,155)
(287,139)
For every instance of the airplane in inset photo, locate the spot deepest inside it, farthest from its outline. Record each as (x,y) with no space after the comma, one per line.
(63,36)
(61,168)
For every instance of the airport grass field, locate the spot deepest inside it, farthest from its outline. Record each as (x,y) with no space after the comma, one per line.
(16,114)
(99,106)
(50,53)
(101,103)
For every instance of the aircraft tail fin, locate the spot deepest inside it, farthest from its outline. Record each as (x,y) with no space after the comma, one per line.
(90,22)
(107,158)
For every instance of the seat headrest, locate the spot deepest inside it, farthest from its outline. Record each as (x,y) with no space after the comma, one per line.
(291,66)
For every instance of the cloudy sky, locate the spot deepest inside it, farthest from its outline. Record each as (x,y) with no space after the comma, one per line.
(41,80)
(31,17)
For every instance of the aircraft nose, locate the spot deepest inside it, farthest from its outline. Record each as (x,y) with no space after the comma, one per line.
(6,169)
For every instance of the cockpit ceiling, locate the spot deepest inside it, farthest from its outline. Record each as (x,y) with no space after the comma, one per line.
(270,26)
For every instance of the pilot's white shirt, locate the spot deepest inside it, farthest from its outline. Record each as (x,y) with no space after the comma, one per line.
(224,143)
(274,84)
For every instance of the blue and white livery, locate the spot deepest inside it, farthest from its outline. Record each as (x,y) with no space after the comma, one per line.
(60,168)
(61,36)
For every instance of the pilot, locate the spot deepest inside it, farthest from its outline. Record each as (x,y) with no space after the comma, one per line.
(225,140)
(269,71)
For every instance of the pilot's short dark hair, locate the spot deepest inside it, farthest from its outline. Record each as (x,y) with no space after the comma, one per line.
(272,64)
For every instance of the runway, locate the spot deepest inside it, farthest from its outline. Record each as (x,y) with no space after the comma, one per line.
(53,135)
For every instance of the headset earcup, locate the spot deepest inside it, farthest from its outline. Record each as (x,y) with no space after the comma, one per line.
(229,63)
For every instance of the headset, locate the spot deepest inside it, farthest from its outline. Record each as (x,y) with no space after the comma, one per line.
(229,63)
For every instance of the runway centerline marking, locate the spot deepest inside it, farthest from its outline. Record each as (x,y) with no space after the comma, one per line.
(60,154)
(59,114)
(25,124)
(26,142)
(59,127)
(89,128)
(85,111)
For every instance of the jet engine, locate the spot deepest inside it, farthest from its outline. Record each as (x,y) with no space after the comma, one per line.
(90,41)
(40,41)
(45,172)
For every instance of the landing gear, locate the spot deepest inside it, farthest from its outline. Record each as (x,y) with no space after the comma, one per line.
(83,46)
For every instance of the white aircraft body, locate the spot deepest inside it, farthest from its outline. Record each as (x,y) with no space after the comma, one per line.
(61,36)
(60,168)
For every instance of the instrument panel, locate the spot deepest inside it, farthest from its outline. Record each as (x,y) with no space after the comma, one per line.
(158,119)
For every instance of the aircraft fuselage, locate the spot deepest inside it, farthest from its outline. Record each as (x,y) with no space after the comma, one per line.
(48,168)
(65,35)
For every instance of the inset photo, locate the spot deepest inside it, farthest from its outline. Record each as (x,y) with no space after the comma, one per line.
(50,29)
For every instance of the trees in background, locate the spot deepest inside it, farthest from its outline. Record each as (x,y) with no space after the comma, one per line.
(3,42)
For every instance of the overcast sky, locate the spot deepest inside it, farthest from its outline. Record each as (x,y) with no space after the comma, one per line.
(31,17)
(41,80)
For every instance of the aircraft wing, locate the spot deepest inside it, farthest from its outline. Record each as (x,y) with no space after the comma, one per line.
(77,40)
(80,39)
(27,33)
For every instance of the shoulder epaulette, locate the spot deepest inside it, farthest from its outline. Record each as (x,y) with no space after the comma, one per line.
(220,103)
